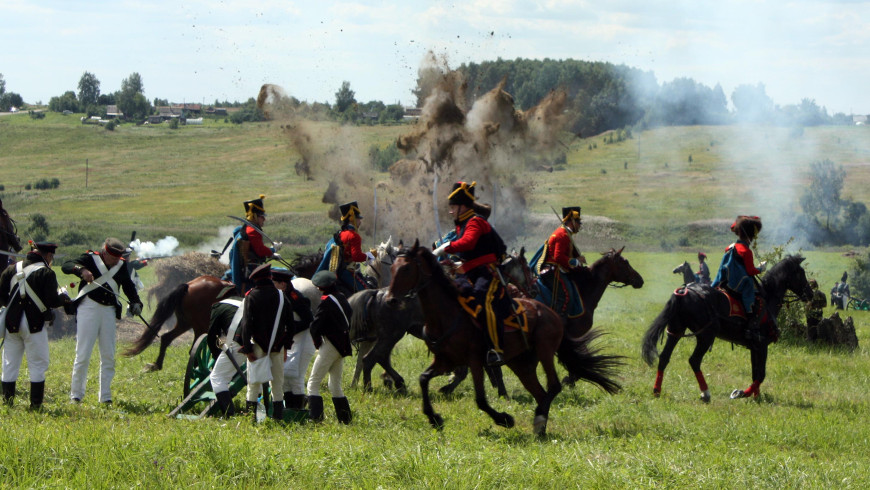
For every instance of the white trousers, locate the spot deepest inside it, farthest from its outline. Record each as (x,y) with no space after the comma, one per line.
(277,360)
(296,365)
(21,343)
(94,322)
(223,370)
(328,361)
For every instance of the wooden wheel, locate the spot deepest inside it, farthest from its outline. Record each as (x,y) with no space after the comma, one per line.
(199,364)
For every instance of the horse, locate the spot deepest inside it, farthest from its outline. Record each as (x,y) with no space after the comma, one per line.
(306,264)
(455,340)
(688,274)
(705,311)
(190,304)
(9,241)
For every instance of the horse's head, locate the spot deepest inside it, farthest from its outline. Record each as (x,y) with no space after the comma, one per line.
(518,273)
(619,270)
(789,274)
(411,270)
(682,267)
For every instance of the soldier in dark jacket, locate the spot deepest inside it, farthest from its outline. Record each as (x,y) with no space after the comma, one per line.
(28,290)
(261,309)
(814,310)
(224,322)
(103,275)
(330,333)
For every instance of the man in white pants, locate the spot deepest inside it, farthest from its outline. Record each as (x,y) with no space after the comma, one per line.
(28,291)
(305,297)
(225,317)
(103,274)
(330,333)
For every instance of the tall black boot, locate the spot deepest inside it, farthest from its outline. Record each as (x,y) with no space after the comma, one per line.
(37,392)
(296,402)
(342,409)
(278,411)
(8,392)
(315,408)
(225,402)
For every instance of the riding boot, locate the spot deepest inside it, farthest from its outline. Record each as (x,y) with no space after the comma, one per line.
(295,402)
(37,392)
(278,411)
(8,392)
(315,408)
(342,409)
(225,402)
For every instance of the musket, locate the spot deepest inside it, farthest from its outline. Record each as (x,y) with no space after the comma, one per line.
(13,254)
(216,254)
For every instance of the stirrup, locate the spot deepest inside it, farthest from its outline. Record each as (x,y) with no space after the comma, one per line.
(494,359)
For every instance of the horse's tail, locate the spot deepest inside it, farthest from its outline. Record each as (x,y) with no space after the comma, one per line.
(166,307)
(657,330)
(585,363)
(360,326)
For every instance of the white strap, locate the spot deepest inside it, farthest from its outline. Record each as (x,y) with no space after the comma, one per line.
(237,318)
(23,288)
(277,320)
(106,277)
(333,298)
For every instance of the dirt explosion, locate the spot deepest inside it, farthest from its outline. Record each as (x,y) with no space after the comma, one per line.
(491,143)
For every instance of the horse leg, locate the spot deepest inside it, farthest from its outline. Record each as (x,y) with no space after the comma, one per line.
(702,345)
(758,358)
(525,367)
(496,379)
(364,348)
(500,418)
(459,375)
(166,339)
(380,354)
(437,368)
(664,359)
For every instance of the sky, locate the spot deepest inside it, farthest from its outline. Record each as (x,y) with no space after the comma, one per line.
(207,50)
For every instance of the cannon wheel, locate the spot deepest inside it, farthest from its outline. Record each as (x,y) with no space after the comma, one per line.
(199,364)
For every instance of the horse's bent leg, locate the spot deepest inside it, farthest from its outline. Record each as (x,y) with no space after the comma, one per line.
(437,368)
(701,347)
(758,357)
(459,375)
(364,348)
(664,359)
(496,379)
(500,418)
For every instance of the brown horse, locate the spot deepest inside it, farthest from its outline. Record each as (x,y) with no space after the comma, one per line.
(9,241)
(455,340)
(190,304)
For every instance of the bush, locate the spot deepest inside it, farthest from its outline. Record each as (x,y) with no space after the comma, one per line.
(38,229)
(45,184)
(36,114)
(110,126)
(27,187)
(2,187)
(382,159)
(173,123)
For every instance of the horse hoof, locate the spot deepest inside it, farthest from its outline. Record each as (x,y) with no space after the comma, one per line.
(436,421)
(150,368)
(540,425)
(738,394)
(446,390)
(657,392)
(705,396)
(506,421)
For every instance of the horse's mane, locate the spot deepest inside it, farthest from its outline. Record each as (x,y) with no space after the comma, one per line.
(438,275)
(302,260)
(783,268)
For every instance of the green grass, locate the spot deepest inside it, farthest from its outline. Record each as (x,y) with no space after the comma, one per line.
(808,430)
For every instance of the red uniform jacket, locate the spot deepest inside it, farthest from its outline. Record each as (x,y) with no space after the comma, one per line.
(352,246)
(748,259)
(256,240)
(473,251)
(560,250)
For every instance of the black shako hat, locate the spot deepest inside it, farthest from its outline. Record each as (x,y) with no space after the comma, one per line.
(255,207)
(45,247)
(569,213)
(347,208)
(462,193)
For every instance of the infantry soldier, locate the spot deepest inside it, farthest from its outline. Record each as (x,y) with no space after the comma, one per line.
(481,249)
(266,312)
(28,290)
(561,262)
(224,322)
(814,310)
(302,349)
(98,305)
(329,330)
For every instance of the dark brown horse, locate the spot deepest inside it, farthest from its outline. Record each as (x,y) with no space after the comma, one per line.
(190,304)
(9,241)
(455,340)
(705,312)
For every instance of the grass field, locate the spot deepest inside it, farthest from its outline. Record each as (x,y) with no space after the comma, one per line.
(808,430)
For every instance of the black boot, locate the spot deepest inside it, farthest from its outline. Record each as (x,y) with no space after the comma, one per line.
(8,392)
(37,392)
(315,408)
(342,409)
(296,402)
(278,411)
(225,402)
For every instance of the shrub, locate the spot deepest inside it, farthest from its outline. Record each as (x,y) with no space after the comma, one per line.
(2,187)
(382,159)
(27,187)
(36,114)
(110,126)
(38,229)
(173,123)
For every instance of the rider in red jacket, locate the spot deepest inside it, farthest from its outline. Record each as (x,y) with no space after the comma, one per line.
(561,259)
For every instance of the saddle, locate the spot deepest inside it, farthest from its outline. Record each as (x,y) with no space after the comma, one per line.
(517,320)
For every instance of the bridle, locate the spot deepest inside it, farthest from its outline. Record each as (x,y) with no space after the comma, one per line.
(420,284)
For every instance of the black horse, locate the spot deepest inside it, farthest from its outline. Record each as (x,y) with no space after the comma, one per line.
(688,273)
(705,311)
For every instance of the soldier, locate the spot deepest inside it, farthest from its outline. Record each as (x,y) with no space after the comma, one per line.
(561,262)
(330,332)
(249,251)
(480,248)
(737,271)
(349,242)
(703,271)
(97,307)
(224,322)
(302,349)
(28,290)
(266,329)
(814,310)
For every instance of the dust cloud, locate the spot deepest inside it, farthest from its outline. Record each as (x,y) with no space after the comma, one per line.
(490,142)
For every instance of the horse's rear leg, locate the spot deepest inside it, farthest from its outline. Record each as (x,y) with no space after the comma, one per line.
(758,357)
(701,347)
(437,368)
(525,367)
(165,341)
(500,418)
(364,348)
(664,359)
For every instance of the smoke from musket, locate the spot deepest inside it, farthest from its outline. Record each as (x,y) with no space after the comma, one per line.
(491,143)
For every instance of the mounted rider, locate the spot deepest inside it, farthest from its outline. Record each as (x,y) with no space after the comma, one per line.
(703,274)
(560,264)
(343,252)
(249,251)
(737,272)
(480,248)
